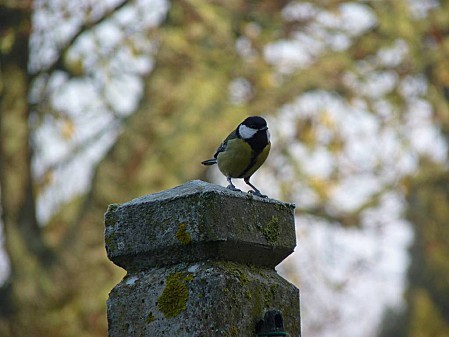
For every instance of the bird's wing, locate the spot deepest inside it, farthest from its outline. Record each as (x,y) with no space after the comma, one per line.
(223,145)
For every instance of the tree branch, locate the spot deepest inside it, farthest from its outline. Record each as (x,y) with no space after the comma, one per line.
(58,64)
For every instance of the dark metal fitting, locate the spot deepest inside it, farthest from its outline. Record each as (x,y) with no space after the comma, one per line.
(272,324)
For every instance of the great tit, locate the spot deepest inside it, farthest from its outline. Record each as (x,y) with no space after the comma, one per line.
(243,152)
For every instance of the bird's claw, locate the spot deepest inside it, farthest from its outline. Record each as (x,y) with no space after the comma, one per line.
(257,193)
(233,188)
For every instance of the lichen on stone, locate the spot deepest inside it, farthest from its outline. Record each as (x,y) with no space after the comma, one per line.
(173,299)
(182,235)
(271,230)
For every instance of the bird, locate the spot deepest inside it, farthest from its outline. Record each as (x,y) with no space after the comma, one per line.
(243,151)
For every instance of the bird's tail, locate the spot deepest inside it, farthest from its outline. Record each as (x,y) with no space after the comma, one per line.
(209,161)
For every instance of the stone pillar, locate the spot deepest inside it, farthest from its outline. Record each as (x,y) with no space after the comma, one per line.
(200,261)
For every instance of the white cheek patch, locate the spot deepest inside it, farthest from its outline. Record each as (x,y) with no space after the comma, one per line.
(246,132)
(268,135)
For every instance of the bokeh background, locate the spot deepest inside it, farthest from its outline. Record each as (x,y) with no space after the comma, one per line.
(105,101)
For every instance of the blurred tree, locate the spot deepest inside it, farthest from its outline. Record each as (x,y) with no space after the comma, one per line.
(397,71)
(29,254)
(425,28)
(35,299)
(161,143)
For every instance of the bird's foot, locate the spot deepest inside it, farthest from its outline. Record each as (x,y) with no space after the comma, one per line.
(233,188)
(257,193)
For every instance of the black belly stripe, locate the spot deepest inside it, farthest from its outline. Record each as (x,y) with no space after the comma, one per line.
(258,143)
(250,165)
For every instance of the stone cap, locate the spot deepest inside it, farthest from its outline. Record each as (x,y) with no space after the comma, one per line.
(199,221)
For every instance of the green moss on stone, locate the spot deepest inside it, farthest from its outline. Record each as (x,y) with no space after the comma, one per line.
(281,207)
(235,270)
(233,331)
(271,230)
(268,299)
(274,288)
(258,301)
(109,217)
(111,241)
(182,235)
(173,299)
(150,318)
(243,278)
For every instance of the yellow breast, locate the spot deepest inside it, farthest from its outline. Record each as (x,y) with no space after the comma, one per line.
(235,160)
(259,161)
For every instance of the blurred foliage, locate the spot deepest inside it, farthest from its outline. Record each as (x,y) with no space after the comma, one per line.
(59,273)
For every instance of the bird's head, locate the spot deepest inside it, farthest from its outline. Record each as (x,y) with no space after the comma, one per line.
(252,125)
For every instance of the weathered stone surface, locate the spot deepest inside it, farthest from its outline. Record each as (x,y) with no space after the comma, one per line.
(200,261)
(198,221)
(206,299)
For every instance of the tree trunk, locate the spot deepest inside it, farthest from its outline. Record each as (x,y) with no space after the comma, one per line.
(22,234)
